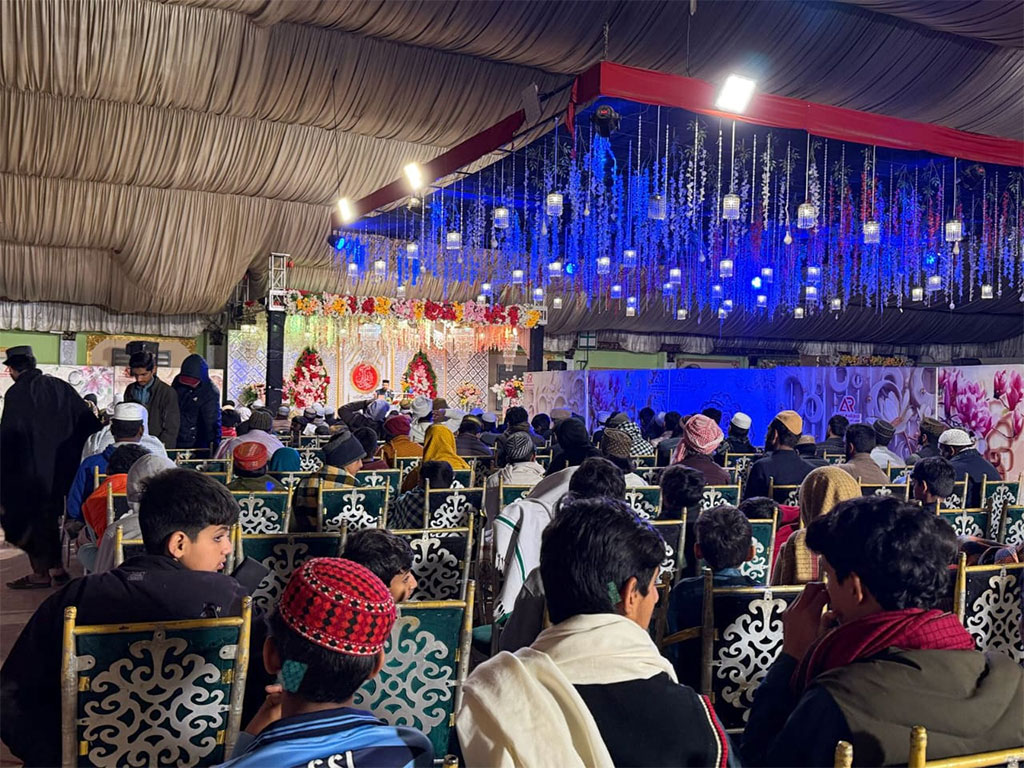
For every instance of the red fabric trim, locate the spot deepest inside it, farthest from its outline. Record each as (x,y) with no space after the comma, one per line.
(446,163)
(661,89)
(716,726)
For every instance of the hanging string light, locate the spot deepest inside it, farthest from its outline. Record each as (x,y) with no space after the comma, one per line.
(553,204)
(656,206)
(954,226)
(872,229)
(788,239)
(731,201)
(807,212)
(500,214)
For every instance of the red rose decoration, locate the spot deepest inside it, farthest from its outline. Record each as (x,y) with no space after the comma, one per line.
(352,303)
(513,315)
(368,305)
(290,263)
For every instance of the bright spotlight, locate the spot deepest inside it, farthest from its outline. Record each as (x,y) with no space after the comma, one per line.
(735,94)
(345,211)
(414,174)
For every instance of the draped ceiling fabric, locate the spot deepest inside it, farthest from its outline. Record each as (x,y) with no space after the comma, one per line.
(153,152)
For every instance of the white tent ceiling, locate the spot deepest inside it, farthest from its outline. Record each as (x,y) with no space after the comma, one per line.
(153,152)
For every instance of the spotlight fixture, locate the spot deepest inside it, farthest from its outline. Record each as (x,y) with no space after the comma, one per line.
(336,240)
(345,211)
(414,173)
(681,314)
(735,94)
(605,120)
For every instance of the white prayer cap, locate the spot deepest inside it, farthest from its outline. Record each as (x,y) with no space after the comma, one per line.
(740,420)
(318,410)
(243,412)
(489,417)
(257,404)
(130,412)
(956,438)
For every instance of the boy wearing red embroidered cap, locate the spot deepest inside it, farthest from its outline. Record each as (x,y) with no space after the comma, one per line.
(327,639)
(249,469)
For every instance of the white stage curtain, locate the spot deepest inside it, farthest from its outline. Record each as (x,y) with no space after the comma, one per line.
(50,316)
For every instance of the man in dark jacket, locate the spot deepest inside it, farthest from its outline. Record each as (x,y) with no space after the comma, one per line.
(516,420)
(835,435)
(783,463)
(44,426)
(738,439)
(199,405)
(958,447)
(185,519)
(928,440)
(882,658)
(160,400)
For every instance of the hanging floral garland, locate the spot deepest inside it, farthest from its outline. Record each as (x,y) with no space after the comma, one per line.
(381,309)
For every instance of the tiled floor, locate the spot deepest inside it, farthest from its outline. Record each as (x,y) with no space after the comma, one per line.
(16,607)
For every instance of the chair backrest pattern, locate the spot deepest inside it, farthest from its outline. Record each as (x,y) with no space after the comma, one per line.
(762,538)
(452,507)
(747,646)
(510,493)
(357,507)
(716,495)
(262,512)
(993,609)
(418,685)
(463,478)
(440,563)
(958,498)
(282,554)
(965,522)
(311,459)
(390,478)
(645,500)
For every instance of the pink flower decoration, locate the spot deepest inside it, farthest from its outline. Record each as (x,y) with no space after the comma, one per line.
(972,408)
(1009,384)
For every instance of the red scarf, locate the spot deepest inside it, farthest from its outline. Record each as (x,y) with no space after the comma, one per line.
(912,629)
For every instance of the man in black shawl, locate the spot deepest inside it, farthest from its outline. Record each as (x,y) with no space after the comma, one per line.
(44,426)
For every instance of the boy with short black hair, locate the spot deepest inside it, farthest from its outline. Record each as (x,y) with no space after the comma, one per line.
(723,542)
(759,508)
(681,489)
(408,510)
(388,556)
(326,640)
(932,480)
(185,519)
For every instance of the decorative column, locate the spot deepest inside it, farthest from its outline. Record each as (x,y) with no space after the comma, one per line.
(535,362)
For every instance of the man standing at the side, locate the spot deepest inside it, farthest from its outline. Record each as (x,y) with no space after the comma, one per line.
(44,425)
(160,400)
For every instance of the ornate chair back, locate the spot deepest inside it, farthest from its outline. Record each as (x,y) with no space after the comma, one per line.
(716,495)
(264,511)
(647,460)
(897,490)
(356,507)
(784,494)
(427,661)
(510,493)
(452,507)
(392,478)
(988,602)
(741,463)
(673,533)
(311,458)
(899,474)
(282,553)
(835,458)
(1006,510)
(645,500)
(966,522)
(742,637)
(763,540)
(463,478)
(957,499)
(159,693)
(405,464)
(441,561)
(178,455)
(117,505)
(290,479)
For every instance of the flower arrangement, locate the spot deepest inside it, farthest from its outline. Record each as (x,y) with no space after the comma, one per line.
(251,393)
(509,389)
(875,361)
(381,308)
(419,378)
(469,395)
(308,383)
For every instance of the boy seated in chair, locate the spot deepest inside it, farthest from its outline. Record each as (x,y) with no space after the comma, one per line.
(388,556)
(326,640)
(592,689)
(867,656)
(723,543)
(250,460)
(185,519)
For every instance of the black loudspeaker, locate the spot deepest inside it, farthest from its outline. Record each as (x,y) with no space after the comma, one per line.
(275,359)
(142,346)
(557,365)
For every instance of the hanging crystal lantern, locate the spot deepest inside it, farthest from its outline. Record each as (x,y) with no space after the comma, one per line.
(872,232)
(675,276)
(517,276)
(934,283)
(500,217)
(798,313)
(353,269)
(836,304)
(767,274)
(727,305)
(657,208)
(762,301)
(538,294)
(917,294)
(453,241)
(725,268)
(604,265)
(814,275)
(556,303)
(486,289)
(555,269)
(616,291)
(401,291)
(481,299)
(631,306)
(731,207)
(629,257)
(806,216)
(811,292)
(954,231)
(380,268)
(668,288)
(722,313)
(716,291)
(412,250)
(681,314)
(986,291)
(553,204)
